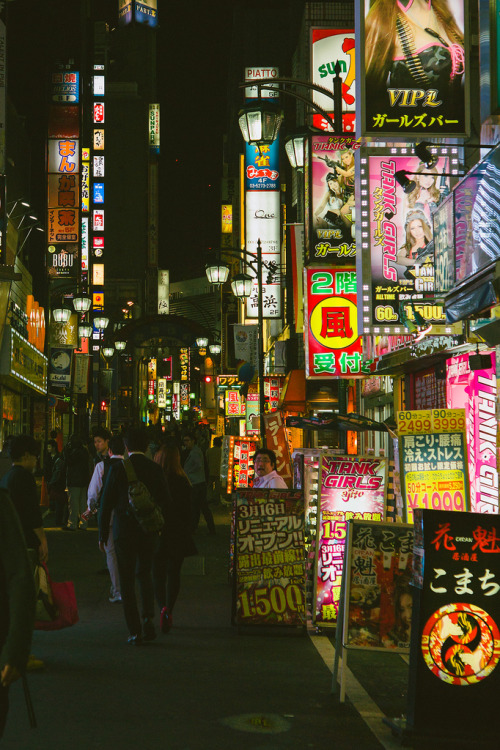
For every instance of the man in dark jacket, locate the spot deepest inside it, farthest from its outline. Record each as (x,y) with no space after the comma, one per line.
(78,465)
(134,547)
(17,602)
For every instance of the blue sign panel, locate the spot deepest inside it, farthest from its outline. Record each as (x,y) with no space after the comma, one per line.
(146,12)
(262,167)
(98,192)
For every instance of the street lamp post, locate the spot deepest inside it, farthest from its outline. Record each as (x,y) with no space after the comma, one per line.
(242,287)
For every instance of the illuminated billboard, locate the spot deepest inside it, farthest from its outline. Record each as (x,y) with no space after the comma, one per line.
(263,223)
(397,248)
(333,345)
(329,47)
(414,73)
(331,218)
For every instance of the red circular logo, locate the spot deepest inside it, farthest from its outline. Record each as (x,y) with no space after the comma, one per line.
(461,644)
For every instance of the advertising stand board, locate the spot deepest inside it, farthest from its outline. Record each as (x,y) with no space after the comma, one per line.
(376,598)
(351,488)
(455,643)
(269,565)
(433,457)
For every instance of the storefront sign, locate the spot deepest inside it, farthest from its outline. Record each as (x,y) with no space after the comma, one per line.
(432,452)
(60,366)
(476,392)
(349,488)
(269,558)
(253,76)
(23,361)
(330,47)
(81,376)
(378,595)
(234,406)
(65,86)
(252,414)
(162,393)
(414,78)
(62,259)
(330,231)
(455,679)
(238,462)
(63,225)
(246,343)
(333,346)
(184,362)
(262,211)
(397,258)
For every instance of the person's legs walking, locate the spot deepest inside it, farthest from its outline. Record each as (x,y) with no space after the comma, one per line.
(145,550)
(112,564)
(126,555)
(73,507)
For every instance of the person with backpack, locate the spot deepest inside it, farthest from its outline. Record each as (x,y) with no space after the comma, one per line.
(134,537)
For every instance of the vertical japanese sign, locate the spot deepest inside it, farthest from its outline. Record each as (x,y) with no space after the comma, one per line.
(276,440)
(455,629)
(269,558)
(234,404)
(240,452)
(378,596)
(413,79)
(476,392)
(349,488)
(263,212)
(184,363)
(331,220)
(397,249)
(329,47)
(333,346)
(433,459)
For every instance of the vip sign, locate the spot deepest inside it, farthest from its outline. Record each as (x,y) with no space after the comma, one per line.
(333,346)
(397,248)
(329,47)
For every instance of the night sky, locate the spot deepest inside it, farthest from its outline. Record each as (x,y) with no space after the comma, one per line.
(193,59)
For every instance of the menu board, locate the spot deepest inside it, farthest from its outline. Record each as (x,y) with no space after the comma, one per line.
(350,488)
(269,558)
(378,595)
(433,458)
(455,641)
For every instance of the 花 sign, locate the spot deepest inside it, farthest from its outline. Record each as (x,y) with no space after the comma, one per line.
(333,346)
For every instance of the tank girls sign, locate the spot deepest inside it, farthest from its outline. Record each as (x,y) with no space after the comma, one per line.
(397,234)
(331,220)
(415,76)
(349,488)
(455,677)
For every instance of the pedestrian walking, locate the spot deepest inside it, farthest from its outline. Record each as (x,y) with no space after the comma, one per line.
(134,547)
(106,447)
(17,602)
(213,459)
(176,541)
(78,465)
(194,466)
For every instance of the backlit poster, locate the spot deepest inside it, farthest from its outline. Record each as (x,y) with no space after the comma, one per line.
(349,488)
(378,595)
(262,212)
(475,391)
(333,346)
(329,47)
(433,460)
(331,207)
(413,78)
(269,558)
(455,641)
(397,249)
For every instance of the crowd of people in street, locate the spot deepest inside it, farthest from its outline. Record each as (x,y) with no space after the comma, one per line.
(120,483)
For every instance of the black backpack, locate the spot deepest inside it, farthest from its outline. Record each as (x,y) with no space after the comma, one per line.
(144,508)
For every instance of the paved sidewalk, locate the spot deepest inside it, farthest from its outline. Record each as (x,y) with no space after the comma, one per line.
(202,686)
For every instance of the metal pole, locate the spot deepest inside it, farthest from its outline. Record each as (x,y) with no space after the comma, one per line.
(261,345)
(337,100)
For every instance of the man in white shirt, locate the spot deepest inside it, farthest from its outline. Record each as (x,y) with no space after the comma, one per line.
(101,443)
(266,476)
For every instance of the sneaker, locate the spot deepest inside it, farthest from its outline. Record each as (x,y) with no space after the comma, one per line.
(148,629)
(115,599)
(166,621)
(34,664)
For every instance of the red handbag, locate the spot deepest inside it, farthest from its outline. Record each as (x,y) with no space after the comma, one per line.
(64,599)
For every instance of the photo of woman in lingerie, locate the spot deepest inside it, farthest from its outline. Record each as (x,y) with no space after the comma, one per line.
(334,208)
(417,47)
(327,213)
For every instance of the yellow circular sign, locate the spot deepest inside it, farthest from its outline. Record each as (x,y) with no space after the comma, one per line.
(334,323)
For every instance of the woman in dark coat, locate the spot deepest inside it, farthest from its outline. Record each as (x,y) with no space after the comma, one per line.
(176,541)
